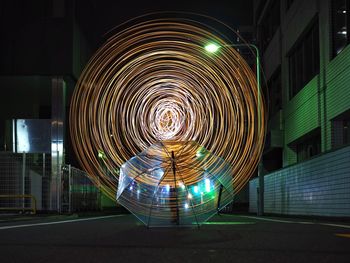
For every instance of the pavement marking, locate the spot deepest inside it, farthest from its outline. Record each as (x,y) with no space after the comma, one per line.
(297,222)
(306,223)
(227,223)
(59,222)
(336,225)
(269,219)
(343,235)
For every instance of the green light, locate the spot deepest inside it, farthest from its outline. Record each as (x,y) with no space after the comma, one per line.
(212,48)
(199,153)
(228,223)
(101,154)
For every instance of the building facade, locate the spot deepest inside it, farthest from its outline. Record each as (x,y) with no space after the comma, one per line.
(306,59)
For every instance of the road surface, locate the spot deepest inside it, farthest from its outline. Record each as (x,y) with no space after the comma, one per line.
(121,238)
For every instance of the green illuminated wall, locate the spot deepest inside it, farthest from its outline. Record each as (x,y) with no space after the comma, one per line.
(338,89)
(301,115)
(319,185)
(326,95)
(316,105)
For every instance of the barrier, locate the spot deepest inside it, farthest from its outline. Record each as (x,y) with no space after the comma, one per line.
(14,205)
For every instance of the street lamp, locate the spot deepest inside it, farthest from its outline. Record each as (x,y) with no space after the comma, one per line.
(212,48)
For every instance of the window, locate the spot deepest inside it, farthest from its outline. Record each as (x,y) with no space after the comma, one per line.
(304,60)
(269,24)
(245,35)
(341,130)
(340,25)
(308,149)
(273,160)
(307,146)
(346,131)
(274,92)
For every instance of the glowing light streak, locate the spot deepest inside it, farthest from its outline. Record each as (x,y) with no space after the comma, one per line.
(153,81)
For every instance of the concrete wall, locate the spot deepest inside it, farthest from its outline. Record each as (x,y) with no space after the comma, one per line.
(326,95)
(301,115)
(320,186)
(337,91)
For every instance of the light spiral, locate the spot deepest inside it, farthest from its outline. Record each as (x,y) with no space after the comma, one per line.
(153,82)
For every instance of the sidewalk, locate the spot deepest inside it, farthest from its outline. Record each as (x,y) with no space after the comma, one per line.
(17,217)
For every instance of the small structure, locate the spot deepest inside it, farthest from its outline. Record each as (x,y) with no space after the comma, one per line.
(175,183)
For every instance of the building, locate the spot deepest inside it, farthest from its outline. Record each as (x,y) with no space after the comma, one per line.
(306,58)
(43,50)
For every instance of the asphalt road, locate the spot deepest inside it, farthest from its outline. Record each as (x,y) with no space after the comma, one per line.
(121,238)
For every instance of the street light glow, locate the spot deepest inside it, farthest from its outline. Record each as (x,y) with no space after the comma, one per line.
(212,48)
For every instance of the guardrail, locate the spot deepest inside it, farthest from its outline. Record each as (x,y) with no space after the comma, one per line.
(23,208)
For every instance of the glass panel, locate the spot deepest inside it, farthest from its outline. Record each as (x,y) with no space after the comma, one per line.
(340,31)
(304,61)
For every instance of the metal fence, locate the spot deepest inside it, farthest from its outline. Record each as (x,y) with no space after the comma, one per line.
(25,185)
(24,181)
(78,191)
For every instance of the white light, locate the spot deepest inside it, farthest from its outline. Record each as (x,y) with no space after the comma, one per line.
(23,144)
(182,186)
(195,189)
(207,185)
(159,173)
(186,206)
(344,32)
(211,48)
(189,196)
(167,187)
(169,117)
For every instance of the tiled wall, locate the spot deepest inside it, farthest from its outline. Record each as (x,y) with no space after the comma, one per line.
(320,186)
(337,93)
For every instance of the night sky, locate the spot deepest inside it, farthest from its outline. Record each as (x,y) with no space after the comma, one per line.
(99,16)
(37,42)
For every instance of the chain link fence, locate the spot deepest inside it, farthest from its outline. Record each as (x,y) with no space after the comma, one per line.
(24,181)
(25,185)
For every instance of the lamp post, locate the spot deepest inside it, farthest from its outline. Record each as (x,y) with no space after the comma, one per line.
(212,48)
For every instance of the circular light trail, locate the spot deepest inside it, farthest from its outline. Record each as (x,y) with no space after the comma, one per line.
(154,81)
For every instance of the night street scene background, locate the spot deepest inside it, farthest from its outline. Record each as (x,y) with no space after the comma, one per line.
(175,131)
